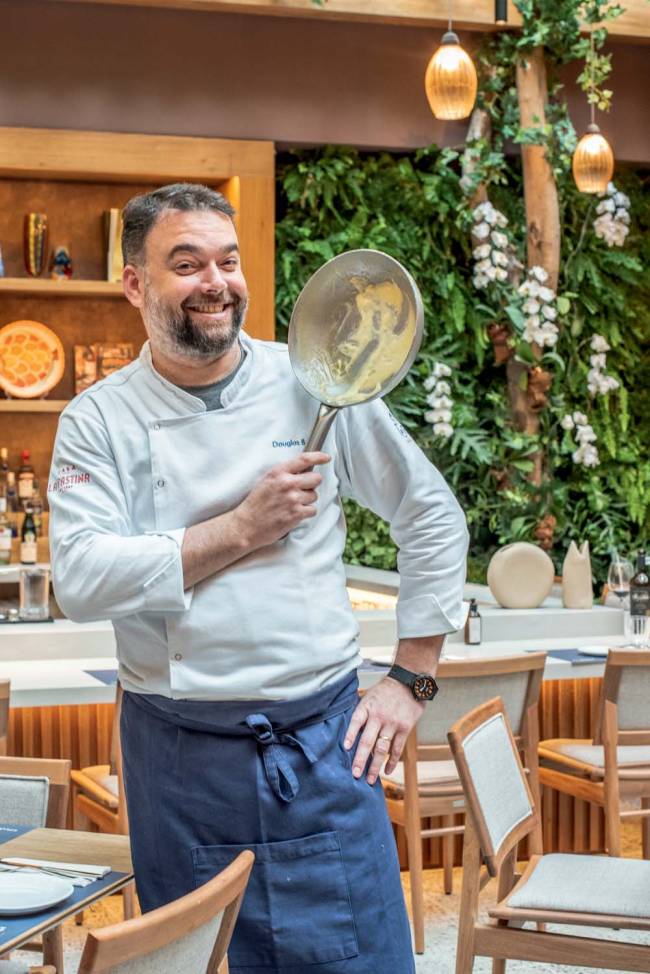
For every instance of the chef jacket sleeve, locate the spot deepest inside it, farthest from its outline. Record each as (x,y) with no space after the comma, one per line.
(381,467)
(101,569)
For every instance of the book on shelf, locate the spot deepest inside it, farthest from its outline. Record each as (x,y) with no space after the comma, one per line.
(96,361)
(113,240)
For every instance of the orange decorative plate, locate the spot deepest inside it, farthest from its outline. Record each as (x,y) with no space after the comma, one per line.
(31,359)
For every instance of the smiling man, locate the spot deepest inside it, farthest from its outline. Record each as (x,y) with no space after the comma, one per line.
(201,529)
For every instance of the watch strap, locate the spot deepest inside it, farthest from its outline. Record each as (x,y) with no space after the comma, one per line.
(402,675)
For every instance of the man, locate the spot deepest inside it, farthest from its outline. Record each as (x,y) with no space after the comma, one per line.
(200,529)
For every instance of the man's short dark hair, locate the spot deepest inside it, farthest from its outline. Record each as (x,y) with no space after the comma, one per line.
(141,213)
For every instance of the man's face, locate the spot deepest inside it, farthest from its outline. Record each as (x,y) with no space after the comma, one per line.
(193,291)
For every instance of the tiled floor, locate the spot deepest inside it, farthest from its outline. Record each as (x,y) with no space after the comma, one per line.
(441,929)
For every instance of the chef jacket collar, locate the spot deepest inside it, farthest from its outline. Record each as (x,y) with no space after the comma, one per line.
(186,399)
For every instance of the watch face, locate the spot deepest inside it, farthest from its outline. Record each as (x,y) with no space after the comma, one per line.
(424,687)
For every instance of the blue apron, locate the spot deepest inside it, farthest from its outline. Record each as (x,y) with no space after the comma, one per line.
(205,780)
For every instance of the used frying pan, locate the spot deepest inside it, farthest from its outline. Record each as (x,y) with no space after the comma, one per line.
(354,332)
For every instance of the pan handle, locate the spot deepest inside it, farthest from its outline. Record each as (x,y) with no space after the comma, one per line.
(324,420)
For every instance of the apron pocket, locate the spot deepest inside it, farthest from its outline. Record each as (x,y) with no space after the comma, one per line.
(296,909)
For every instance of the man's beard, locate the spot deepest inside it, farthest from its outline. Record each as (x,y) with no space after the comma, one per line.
(178,335)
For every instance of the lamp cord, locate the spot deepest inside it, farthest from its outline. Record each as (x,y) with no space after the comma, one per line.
(591,103)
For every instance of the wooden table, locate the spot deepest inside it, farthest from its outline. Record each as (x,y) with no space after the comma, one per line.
(62,845)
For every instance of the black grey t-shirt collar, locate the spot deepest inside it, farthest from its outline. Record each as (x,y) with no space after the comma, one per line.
(211,394)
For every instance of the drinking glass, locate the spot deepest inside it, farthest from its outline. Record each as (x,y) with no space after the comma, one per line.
(34,593)
(618,578)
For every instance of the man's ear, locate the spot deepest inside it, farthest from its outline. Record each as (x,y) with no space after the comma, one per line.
(132,284)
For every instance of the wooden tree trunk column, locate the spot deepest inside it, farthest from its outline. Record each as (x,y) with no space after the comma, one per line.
(542,229)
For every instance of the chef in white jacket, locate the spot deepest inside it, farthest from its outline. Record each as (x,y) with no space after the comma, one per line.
(174,483)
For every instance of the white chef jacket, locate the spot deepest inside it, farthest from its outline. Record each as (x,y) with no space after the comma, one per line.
(137,460)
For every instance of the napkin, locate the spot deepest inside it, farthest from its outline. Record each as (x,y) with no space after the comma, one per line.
(79,874)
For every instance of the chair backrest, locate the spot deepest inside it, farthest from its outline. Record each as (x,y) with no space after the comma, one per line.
(51,777)
(5,690)
(191,934)
(494,782)
(626,693)
(465,684)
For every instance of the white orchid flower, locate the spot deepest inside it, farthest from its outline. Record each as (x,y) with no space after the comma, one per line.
(481,252)
(546,294)
(567,422)
(443,429)
(499,239)
(599,343)
(440,369)
(539,273)
(441,402)
(580,419)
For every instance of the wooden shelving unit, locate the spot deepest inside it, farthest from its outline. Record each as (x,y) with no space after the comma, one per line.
(33,405)
(72,288)
(74,177)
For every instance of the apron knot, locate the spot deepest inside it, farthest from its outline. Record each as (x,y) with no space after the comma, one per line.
(279,773)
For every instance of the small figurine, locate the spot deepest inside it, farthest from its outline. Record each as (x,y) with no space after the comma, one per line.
(35,243)
(61,266)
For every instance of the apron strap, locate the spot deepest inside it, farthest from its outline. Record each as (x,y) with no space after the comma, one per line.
(279,773)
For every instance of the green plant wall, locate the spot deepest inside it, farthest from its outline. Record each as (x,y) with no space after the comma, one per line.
(413,207)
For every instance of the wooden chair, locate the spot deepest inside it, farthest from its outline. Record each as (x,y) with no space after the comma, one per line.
(580,890)
(191,934)
(616,764)
(48,805)
(5,690)
(425,784)
(98,796)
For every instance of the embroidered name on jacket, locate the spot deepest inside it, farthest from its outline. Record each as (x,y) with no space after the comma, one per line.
(286,443)
(68,478)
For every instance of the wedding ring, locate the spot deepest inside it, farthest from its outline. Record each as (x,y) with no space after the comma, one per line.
(383,748)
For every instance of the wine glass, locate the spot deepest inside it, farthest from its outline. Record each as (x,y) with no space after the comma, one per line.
(618,577)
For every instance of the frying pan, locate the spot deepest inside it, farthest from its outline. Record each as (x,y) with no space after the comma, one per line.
(354,332)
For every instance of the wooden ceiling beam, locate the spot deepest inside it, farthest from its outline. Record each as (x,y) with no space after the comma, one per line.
(633,24)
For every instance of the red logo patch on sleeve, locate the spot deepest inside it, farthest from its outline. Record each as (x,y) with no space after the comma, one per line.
(68,478)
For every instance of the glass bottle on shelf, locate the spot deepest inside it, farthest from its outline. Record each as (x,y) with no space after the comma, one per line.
(25,479)
(12,503)
(37,509)
(473,624)
(5,527)
(4,464)
(28,544)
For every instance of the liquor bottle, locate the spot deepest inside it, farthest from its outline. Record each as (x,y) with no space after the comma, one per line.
(12,503)
(37,509)
(25,479)
(28,546)
(5,527)
(473,624)
(4,464)
(640,588)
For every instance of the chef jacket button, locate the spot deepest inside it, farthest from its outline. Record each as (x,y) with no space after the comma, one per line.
(177,656)
(156,426)
(161,483)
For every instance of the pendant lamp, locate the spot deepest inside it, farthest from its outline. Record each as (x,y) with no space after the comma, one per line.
(450,81)
(593,162)
(593,159)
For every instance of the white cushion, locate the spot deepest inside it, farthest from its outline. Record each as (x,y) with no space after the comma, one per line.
(587,884)
(594,754)
(496,774)
(430,773)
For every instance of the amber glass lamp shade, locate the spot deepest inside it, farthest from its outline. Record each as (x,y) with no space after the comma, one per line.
(450,81)
(593,162)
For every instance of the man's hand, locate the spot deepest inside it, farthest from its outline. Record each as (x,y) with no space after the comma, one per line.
(283,498)
(387,712)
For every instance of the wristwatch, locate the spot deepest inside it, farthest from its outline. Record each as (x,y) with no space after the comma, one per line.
(422,686)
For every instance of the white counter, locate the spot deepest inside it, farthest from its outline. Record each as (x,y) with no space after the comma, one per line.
(53,663)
